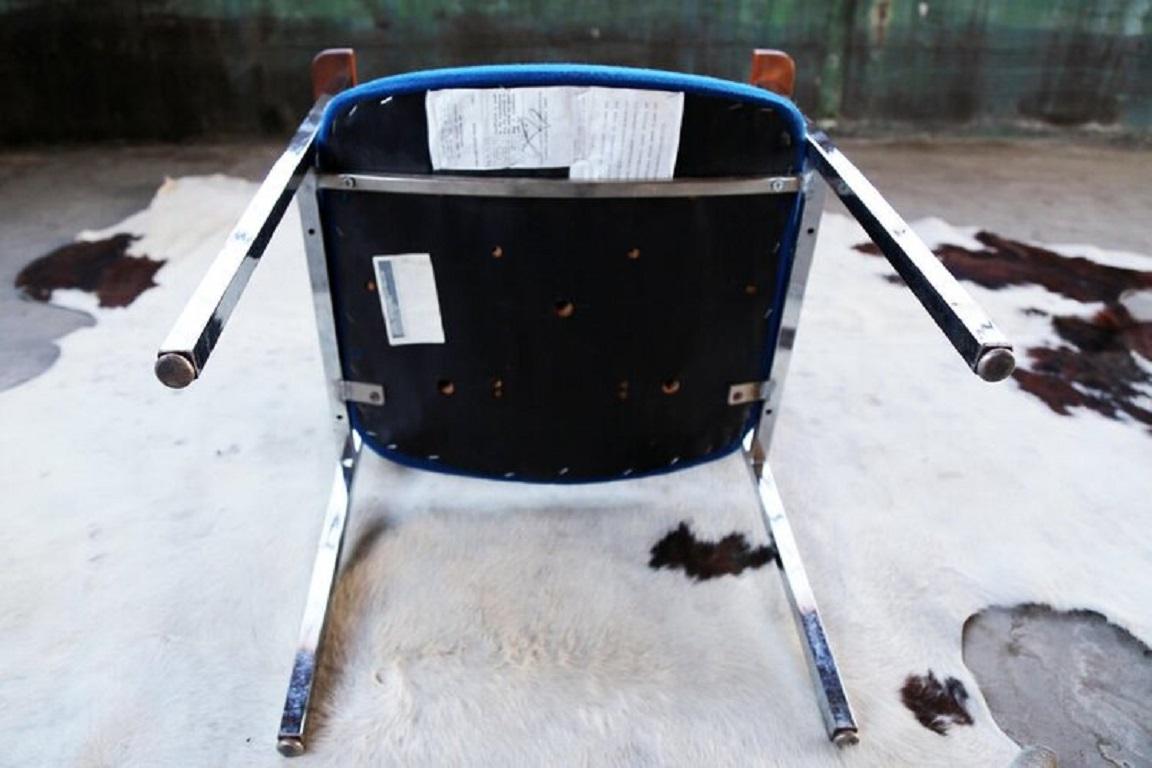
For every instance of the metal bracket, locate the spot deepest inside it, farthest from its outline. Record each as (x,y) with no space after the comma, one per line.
(360,392)
(749,391)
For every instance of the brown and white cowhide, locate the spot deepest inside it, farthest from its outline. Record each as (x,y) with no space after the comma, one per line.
(157,544)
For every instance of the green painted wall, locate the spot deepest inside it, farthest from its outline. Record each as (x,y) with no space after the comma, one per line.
(165,69)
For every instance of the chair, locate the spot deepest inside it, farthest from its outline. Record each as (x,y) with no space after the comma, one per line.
(560,273)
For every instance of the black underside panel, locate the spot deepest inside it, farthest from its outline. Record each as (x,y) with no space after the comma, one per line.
(584,338)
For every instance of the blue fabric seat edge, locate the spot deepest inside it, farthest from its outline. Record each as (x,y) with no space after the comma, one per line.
(521,75)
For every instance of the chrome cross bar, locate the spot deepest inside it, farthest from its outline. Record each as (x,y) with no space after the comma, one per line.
(973,334)
(185,351)
(513,186)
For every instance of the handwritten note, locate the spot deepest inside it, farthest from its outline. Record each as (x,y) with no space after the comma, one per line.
(597,133)
(490,129)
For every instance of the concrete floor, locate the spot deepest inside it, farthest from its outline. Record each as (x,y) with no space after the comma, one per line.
(1042,190)
(1068,680)
(1054,192)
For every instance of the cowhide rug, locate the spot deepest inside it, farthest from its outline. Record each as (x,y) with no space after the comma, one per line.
(157,544)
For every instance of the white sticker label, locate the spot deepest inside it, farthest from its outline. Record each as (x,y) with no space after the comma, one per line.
(407,287)
(598,133)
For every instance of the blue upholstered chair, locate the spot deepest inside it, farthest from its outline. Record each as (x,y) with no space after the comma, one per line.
(504,255)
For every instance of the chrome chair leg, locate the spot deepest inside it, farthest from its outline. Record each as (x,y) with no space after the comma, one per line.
(290,741)
(830,695)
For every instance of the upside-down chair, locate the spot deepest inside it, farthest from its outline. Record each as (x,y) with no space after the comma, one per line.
(503,254)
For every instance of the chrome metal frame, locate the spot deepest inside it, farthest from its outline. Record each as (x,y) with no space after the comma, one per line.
(185,351)
(982,345)
(313,231)
(813,208)
(290,740)
(830,695)
(966,325)
(969,329)
(188,346)
(510,186)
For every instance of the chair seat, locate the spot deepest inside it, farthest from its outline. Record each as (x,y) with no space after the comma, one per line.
(584,338)
(560,284)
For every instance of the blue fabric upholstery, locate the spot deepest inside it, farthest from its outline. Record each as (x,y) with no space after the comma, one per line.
(516,75)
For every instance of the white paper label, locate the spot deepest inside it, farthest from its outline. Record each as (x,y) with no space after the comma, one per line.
(598,133)
(489,129)
(407,287)
(626,134)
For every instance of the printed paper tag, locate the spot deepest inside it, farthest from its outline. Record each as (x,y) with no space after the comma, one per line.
(407,287)
(598,133)
(627,134)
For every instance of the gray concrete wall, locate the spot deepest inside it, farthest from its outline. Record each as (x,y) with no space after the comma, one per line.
(164,69)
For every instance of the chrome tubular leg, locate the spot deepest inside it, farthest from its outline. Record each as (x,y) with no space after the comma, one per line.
(830,695)
(185,351)
(973,334)
(290,741)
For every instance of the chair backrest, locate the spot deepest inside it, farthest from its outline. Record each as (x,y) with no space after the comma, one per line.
(563,331)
